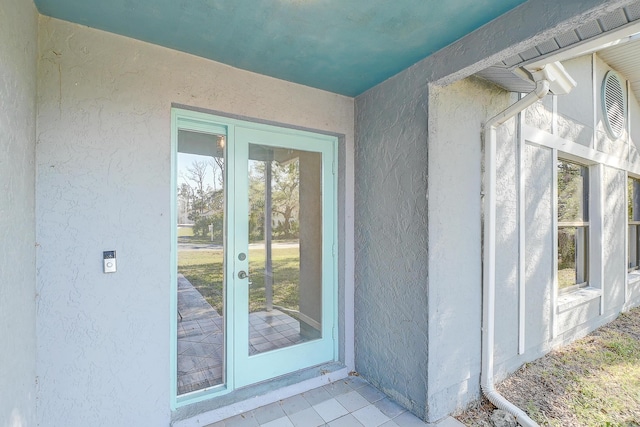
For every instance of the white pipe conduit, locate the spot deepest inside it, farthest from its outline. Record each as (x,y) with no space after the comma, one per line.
(550,77)
(489,255)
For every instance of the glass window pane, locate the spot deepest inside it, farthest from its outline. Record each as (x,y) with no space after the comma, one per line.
(633,211)
(630,199)
(566,257)
(634,199)
(201,282)
(582,255)
(633,246)
(573,192)
(285,247)
(573,251)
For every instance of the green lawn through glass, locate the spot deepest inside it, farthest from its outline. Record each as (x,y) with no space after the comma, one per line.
(204,269)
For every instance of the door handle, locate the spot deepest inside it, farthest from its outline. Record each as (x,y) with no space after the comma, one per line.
(242,274)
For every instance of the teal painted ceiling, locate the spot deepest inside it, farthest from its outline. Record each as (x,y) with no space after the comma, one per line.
(342,46)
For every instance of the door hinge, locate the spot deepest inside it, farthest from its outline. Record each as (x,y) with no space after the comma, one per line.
(333,333)
(333,167)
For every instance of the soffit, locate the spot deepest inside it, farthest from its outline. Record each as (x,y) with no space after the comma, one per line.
(625,58)
(612,36)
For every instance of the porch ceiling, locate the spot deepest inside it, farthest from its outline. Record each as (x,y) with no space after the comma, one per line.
(340,46)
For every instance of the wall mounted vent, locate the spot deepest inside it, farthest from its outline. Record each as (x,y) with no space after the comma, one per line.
(614,103)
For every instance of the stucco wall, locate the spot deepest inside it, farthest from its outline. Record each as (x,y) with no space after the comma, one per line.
(18,53)
(614,235)
(391,239)
(540,114)
(539,236)
(455,271)
(575,109)
(103,175)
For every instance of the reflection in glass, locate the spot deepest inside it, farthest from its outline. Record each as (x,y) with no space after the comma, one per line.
(573,192)
(285,247)
(573,224)
(633,209)
(572,256)
(201,305)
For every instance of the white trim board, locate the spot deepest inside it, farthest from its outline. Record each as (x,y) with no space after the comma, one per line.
(574,151)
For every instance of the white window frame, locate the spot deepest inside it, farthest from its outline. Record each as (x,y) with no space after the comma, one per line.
(633,202)
(582,262)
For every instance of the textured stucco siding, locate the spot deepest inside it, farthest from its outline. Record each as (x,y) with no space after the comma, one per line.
(391,239)
(18,55)
(540,114)
(456,114)
(539,236)
(507,248)
(614,230)
(575,109)
(103,170)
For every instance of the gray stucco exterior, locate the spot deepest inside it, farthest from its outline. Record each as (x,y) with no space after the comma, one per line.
(455,264)
(391,305)
(18,56)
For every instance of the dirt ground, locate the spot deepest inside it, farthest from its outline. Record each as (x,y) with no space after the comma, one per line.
(594,381)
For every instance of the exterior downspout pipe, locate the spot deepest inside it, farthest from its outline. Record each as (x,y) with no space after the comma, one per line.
(489,255)
(551,77)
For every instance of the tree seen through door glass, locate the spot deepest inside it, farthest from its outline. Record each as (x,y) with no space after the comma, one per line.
(201,284)
(285,247)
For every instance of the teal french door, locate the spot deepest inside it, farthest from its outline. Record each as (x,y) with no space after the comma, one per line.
(255,269)
(283,264)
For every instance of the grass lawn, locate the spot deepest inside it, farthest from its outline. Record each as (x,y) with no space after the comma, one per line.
(594,381)
(185,231)
(204,269)
(185,235)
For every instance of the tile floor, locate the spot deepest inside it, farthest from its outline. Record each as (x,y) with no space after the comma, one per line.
(351,402)
(200,340)
(272,330)
(201,337)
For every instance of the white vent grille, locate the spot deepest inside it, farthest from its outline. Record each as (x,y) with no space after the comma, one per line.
(614,103)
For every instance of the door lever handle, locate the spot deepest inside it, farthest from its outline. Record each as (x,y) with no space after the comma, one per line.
(242,274)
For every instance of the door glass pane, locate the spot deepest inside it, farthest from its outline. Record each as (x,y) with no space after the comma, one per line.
(285,247)
(201,282)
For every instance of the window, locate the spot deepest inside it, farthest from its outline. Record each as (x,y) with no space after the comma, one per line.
(573,225)
(633,208)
